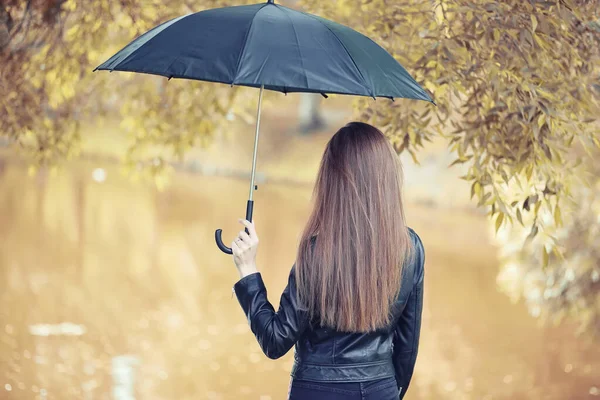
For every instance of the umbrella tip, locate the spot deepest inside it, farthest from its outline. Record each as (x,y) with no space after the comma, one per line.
(270,1)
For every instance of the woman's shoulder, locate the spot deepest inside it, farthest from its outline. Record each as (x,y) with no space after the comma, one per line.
(415,238)
(418,253)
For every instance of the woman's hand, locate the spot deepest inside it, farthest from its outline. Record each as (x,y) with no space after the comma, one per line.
(244,248)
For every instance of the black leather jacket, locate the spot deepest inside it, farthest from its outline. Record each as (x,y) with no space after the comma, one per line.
(328,355)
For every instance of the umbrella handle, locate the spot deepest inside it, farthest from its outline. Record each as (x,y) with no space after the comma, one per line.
(218,232)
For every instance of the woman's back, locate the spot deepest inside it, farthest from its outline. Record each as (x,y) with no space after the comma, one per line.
(328,355)
(322,345)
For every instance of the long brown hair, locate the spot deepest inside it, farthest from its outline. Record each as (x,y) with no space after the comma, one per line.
(353,248)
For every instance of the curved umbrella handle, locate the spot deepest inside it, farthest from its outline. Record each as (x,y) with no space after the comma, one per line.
(218,232)
(220,244)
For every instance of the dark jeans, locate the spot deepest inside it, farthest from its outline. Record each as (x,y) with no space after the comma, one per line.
(382,389)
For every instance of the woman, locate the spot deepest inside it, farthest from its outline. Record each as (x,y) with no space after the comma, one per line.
(353,303)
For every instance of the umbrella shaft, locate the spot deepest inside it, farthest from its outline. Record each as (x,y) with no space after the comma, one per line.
(251,195)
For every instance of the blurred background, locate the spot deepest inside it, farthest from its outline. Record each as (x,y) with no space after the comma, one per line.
(111,187)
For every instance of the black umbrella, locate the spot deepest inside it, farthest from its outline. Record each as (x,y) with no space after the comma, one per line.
(267,46)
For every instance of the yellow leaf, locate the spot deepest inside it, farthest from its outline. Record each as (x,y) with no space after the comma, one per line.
(547,94)
(71,33)
(542,43)
(499,220)
(534,23)
(558,253)
(557,216)
(67,90)
(93,55)
(541,120)
(496,35)
(430,86)
(414,156)
(519,216)
(440,91)
(477,189)
(70,5)
(528,172)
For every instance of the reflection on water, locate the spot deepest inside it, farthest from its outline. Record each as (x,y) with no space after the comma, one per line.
(111,290)
(64,328)
(123,374)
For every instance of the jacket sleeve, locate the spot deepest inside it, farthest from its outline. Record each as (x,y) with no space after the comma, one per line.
(408,327)
(276,332)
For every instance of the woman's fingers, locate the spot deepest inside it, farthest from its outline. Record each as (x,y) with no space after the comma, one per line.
(250,227)
(245,237)
(234,247)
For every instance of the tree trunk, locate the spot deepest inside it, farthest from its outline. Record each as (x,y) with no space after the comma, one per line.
(310,118)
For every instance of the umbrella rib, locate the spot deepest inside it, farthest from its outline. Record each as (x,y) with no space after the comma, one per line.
(347,52)
(239,62)
(283,9)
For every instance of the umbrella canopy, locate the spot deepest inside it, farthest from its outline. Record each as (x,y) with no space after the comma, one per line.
(271,46)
